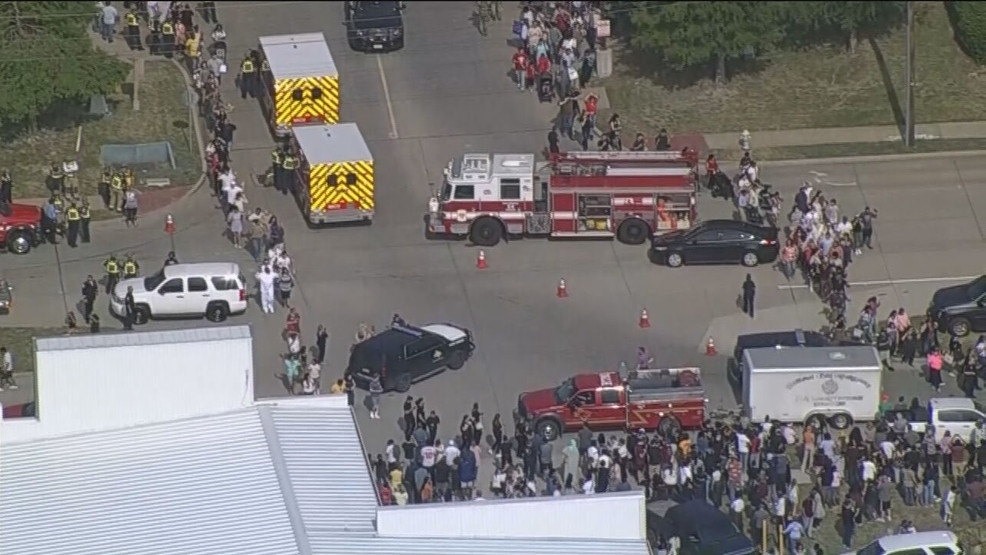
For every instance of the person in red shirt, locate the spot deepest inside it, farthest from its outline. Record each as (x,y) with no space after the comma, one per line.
(544,65)
(711,169)
(520,68)
(591,107)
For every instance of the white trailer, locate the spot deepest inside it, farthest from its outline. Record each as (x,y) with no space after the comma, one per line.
(106,381)
(840,385)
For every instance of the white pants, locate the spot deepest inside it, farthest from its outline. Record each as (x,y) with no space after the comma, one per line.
(267,299)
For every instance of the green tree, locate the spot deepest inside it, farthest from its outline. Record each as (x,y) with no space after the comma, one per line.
(845,22)
(50,60)
(694,34)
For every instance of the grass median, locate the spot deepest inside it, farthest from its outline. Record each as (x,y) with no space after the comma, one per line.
(20,343)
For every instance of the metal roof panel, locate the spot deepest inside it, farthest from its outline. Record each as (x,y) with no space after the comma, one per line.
(331,144)
(297,56)
(135,339)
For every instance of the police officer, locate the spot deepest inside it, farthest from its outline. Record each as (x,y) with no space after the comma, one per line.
(73,216)
(276,159)
(248,77)
(59,204)
(112,266)
(116,188)
(167,39)
(104,187)
(129,309)
(89,291)
(289,164)
(130,267)
(56,179)
(172,259)
(49,221)
(265,73)
(6,187)
(133,31)
(85,218)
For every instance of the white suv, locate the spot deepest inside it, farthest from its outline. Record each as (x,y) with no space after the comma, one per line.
(940,542)
(213,290)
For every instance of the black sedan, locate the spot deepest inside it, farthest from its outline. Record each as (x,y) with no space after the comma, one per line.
(717,242)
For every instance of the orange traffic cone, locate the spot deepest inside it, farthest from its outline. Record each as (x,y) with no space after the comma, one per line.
(562,289)
(169,224)
(644,319)
(710,348)
(481,260)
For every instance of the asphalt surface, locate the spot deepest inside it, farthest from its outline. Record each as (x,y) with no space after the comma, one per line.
(448,92)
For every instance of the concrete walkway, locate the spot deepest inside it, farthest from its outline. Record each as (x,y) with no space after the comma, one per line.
(837,135)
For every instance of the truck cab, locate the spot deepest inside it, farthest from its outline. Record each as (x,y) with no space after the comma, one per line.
(20,227)
(956,415)
(375,26)
(668,400)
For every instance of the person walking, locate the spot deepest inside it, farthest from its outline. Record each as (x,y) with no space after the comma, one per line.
(7,369)
(321,340)
(266,278)
(129,309)
(749,294)
(285,284)
(866,218)
(130,207)
(376,389)
(235,220)
(89,291)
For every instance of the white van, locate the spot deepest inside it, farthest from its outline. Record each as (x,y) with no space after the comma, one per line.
(837,385)
(213,290)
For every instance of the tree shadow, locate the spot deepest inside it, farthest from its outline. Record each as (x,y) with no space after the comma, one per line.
(646,65)
(888,84)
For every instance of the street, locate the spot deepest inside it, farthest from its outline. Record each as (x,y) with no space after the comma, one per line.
(449,92)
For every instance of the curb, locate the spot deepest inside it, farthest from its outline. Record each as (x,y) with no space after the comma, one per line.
(875,158)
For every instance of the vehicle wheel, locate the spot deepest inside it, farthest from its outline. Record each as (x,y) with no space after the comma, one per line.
(142,314)
(959,327)
(669,426)
(457,360)
(750,259)
(403,384)
(486,232)
(675,260)
(633,232)
(549,429)
(840,421)
(217,312)
(19,242)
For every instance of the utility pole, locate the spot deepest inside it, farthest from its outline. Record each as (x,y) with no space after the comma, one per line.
(909,78)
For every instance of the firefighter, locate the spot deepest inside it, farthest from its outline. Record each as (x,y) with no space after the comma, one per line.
(56,178)
(248,77)
(73,217)
(133,31)
(116,188)
(277,159)
(167,39)
(131,268)
(85,218)
(289,165)
(112,266)
(103,187)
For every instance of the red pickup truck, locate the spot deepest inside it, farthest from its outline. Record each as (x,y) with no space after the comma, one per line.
(20,227)
(668,400)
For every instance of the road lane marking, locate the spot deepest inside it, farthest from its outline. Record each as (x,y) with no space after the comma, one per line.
(889,282)
(386,97)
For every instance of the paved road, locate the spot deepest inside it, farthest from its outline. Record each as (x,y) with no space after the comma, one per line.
(448,92)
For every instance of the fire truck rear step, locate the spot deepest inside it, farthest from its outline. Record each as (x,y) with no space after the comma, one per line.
(609,234)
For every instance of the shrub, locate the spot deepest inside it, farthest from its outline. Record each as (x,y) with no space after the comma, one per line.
(969,24)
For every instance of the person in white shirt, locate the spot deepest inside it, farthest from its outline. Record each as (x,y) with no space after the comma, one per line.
(231,192)
(887,447)
(7,369)
(226,180)
(780,507)
(589,486)
(743,449)
(315,371)
(869,470)
(669,477)
(790,437)
(283,262)
(266,279)
(307,385)
(391,452)
(428,456)
(451,451)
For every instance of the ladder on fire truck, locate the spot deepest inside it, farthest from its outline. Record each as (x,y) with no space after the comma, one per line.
(604,162)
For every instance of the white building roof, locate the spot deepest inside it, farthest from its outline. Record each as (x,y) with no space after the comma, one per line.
(332,144)
(298,56)
(145,338)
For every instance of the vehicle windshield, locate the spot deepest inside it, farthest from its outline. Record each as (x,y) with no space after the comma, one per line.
(976,289)
(446,193)
(872,549)
(377,15)
(565,391)
(152,281)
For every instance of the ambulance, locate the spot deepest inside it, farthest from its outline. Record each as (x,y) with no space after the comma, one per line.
(334,181)
(300,81)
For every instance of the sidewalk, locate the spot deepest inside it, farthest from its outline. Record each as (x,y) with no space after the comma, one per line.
(837,135)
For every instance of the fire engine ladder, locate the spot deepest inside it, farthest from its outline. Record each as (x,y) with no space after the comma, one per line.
(595,163)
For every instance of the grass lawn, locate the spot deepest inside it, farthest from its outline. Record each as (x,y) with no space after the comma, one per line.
(822,87)
(839,150)
(163,116)
(20,342)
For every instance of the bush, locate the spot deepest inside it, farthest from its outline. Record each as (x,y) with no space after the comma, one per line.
(969,24)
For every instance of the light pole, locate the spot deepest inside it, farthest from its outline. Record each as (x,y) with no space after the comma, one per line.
(909,78)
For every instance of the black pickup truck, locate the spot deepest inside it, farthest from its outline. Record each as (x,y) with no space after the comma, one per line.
(375,26)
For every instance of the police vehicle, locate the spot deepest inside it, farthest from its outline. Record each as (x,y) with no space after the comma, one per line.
(375,26)
(403,354)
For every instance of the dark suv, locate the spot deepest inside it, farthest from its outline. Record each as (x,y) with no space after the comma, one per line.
(375,26)
(702,529)
(960,309)
(403,354)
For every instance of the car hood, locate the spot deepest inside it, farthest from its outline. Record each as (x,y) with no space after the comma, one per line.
(735,545)
(449,332)
(947,297)
(21,213)
(121,287)
(668,238)
(539,400)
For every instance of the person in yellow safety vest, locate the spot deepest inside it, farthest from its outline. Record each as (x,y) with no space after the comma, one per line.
(85,215)
(290,164)
(116,186)
(131,268)
(248,78)
(56,179)
(73,216)
(276,164)
(112,266)
(133,31)
(167,39)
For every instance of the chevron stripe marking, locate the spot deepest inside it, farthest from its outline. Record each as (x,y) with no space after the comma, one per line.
(307,99)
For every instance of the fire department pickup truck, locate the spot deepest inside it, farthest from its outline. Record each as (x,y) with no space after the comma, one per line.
(667,400)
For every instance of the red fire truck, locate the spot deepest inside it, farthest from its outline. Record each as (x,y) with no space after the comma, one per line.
(628,195)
